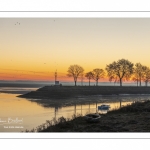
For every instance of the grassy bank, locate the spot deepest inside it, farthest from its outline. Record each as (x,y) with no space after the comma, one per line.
(131,118)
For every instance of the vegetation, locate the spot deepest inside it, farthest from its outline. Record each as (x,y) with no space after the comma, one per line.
(130,118)
(75,71)
(122,69)
(97,74)
(89,76)
(58,125)
(146,77)
(117,71)
(141,73)
(138,73)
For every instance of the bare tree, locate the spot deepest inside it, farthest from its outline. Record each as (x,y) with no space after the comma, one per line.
(146,77)
(89,75)
(135,79)
(139,72)
(97,74)
(75,71)
(122,69)
(82,77)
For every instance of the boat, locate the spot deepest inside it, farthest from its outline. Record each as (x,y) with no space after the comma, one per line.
(92,117)
(103,107)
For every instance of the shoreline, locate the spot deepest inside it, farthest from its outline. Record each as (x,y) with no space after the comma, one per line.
(131,118)
(66,96)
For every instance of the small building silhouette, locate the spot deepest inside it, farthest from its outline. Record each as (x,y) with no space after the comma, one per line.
(56,82)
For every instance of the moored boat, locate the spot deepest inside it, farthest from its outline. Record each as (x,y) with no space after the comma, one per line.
(103,107)
(92,117)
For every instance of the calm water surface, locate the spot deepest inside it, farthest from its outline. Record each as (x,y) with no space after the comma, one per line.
(18,114)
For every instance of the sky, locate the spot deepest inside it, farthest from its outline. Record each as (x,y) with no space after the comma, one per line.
(34,48)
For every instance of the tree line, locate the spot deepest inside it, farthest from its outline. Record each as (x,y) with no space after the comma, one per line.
(117,71)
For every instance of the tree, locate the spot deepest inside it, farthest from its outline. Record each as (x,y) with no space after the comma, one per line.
(97,74)
(146,76)
(89,75)
(75,71)
(122,69)
(135,79)
(82,77)
(138,73)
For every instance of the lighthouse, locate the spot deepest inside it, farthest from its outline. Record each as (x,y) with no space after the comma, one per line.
(56,82)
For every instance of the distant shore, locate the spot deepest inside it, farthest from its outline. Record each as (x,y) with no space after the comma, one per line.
(63,92)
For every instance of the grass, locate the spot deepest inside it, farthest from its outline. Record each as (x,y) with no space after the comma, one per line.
(55,124)
(130,118)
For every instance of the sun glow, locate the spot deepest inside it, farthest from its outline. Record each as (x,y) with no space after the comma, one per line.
(34,48)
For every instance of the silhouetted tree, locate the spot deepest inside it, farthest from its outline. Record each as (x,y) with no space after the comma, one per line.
(146,76)
(135,79)
(97,74)
(89,75)
(138,73)
(122,69)
(82,77)
(75,71)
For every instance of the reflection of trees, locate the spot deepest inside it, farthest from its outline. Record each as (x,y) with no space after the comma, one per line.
(58,104)
(56,108)
(120,103)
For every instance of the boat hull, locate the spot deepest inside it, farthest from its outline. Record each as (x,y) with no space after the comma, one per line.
(92,118)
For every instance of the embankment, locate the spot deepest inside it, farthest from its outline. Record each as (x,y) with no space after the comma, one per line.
(57,92)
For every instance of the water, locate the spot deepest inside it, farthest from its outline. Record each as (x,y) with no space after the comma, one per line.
(18,114)
(79,83)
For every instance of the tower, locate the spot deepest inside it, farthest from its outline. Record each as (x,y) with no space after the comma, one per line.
(56,82)
(55,76)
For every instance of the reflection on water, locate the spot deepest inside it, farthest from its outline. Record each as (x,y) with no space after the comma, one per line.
(16,90)
(32,114)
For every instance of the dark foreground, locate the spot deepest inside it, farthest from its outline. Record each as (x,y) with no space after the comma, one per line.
(131,118)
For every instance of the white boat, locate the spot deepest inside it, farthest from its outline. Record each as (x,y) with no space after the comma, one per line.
(103,107)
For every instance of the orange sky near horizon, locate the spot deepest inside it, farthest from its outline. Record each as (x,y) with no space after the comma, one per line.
(33,48)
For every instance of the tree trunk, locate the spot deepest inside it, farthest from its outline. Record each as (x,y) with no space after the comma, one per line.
(137,82)
(75,82)
(145,83)
(89,82)
(140,81)
(120,82)
(97,83)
